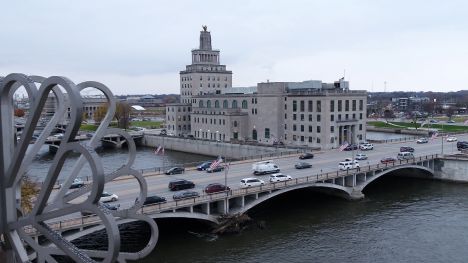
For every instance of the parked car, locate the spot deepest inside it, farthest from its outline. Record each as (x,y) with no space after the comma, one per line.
(361,156)
(279,177)
(106,206)
(175,170)
(348,165)
(388,160)
(450,121)
(462,145)
(351,147)
(422,140)
(452,139)
(108,197)
(203,166)
(366,146)
(216,188)
(249,182)
(185,195)
(153,200)
(218,168)
(77,183)
(306,156)
(180,184)
(302,165)
(406,149)
(433,121)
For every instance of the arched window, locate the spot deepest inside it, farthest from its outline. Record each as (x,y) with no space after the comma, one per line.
(235,123)
(225,104)
(244,104)
(216,104)
(208,104)
(234,104)
(200,104)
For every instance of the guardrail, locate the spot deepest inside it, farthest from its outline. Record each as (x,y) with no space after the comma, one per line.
(170,205)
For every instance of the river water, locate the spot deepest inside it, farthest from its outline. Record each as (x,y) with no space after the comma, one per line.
(400,220)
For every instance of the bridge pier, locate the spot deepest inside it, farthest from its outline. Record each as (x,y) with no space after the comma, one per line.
(356,194)
(206,208)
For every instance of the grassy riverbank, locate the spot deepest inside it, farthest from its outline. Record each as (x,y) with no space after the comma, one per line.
(408,125)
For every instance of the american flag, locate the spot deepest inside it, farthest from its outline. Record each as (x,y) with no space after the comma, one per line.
(216,162)
(434,135)
(342,147)
(159,150)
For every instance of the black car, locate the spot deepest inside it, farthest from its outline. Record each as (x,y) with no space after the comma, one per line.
(406,149)
(186,195)
(302,165)
(180,184)
(306,156)
(175,170)
(203,166)
(462,145)
(153,200)
(351,147)
(218,168)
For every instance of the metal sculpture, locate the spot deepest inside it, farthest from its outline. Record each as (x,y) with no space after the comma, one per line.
(15,157)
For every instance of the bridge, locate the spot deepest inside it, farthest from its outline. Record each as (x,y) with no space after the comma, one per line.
(209,207)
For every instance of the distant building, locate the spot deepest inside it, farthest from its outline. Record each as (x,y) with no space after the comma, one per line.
(309,113)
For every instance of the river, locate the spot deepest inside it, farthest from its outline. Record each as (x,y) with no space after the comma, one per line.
(400,220)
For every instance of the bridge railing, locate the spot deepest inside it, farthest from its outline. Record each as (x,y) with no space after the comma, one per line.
(178,204)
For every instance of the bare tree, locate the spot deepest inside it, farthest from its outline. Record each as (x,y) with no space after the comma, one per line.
(29,192)
(100,113)
(122,114)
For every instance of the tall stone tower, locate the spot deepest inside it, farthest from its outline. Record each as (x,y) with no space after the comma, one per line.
(205,75)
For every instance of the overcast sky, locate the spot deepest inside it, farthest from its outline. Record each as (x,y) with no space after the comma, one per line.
(139,47)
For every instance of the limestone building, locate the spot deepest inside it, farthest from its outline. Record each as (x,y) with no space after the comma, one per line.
(308,113)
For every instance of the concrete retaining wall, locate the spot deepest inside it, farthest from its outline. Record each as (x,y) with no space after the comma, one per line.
(212,148)
(398,131)
(452,169)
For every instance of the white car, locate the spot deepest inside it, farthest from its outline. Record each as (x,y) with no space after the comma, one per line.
(279,177)
(452,139)
(249,182)
(361,156)
(366,146)
(108,197)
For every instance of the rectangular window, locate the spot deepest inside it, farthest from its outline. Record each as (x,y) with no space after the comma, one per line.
(339,117)
(332,117)
(310,117)
(354,116)
(302,105)
(340,102)
(267,133)
(332,128)
(302,138)
(302,117)
(310,106)
(310,139)
(294,127)
(302,128)
(310,128)
(318,118)
(361,104)
(360,127)
(319,106)
(318,129)
(360,116)
(285,126)
(294,137)
(285,116)
(294,117)
(346,105)
(332,106)
(294,105)
(354,105)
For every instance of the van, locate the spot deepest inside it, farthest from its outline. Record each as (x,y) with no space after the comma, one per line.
(405,155)
(348,165)
(265,167)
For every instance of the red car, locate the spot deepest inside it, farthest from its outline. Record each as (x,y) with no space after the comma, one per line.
(215,188)
(388,160)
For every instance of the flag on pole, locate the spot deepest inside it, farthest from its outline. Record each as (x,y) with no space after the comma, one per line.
(216,162)
(434,135)
(342,147)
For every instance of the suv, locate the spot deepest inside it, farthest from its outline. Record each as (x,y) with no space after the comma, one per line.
(366,146)
(422,140)
(203,166)
(348,165)
(175,170)
(306,156)
(462,145)
(406,149)
(180,184)
(215,188)
(249,182)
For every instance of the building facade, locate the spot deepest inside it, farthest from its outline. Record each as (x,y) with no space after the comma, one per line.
(308,113)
